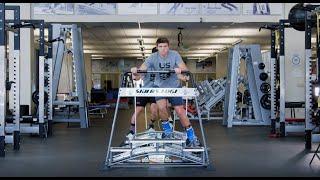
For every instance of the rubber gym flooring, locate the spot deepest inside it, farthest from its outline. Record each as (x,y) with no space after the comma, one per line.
(237,151)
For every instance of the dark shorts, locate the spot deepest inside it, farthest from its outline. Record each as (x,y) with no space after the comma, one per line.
(143,101)
(174,101)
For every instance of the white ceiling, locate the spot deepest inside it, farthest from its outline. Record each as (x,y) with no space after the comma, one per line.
(120,40)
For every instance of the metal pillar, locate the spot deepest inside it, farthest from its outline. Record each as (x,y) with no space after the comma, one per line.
(58,48)
(308,103)
(273,82)
(41,107)
(282,79)
(2,80)
(79,74)
(231,87)
(49,75)
(14,76)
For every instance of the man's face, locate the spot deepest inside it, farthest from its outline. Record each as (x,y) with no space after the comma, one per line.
(163,48)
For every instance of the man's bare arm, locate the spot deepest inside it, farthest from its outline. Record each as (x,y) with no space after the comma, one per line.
(183,66)
(134,70)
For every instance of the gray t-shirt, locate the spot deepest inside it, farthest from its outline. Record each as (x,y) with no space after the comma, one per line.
(157,63)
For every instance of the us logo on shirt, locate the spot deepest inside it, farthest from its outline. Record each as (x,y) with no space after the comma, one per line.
(164,65)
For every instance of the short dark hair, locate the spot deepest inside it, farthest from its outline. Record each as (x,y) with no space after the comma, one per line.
(162,40)
(154,49)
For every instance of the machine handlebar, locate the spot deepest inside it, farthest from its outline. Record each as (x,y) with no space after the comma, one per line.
(128,73)
(168,71)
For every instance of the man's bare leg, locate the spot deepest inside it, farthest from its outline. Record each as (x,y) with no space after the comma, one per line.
(191,138)
(164,115)
(134,116)
(154,114)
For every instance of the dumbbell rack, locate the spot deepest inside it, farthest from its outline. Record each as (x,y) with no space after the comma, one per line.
(252,57)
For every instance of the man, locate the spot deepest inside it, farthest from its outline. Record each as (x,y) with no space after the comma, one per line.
(165,60)
(141,102)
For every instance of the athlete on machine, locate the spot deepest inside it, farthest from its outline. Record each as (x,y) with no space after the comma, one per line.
(166,60)
(141,102)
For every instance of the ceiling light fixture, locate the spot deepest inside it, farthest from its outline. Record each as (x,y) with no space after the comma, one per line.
(190,58)
(237,42)
(203,58)
(97,58)
(95,55)
(222,49)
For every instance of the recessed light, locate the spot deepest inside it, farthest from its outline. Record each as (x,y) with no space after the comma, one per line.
(97,58)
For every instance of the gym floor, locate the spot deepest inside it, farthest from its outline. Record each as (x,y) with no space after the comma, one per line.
(238,151)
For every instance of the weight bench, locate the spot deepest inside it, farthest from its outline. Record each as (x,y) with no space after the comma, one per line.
(98,109)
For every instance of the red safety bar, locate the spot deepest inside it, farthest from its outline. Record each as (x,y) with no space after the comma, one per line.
(295,120)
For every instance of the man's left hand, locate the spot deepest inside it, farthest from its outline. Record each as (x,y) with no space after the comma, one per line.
(177,70)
